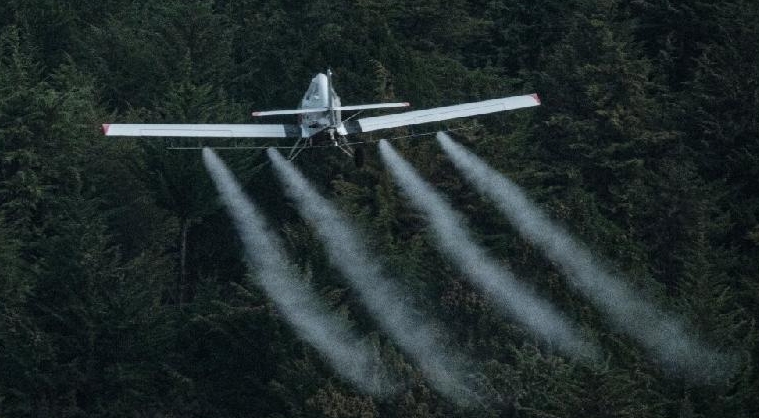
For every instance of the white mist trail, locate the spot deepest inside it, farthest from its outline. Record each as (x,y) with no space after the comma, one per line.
(658,331)
(326,332)
(419,337)
(494,279)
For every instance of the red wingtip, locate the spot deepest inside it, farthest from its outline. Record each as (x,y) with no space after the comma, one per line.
(105,128)
(536,97)
(407,104)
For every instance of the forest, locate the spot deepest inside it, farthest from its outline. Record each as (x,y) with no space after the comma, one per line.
(124,286)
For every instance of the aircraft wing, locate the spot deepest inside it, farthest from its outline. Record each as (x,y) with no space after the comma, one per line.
(203,130)
(437,114)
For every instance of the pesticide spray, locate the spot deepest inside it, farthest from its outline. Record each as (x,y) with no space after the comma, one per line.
(495,280)
(659,332)
(313,323)
(419,337)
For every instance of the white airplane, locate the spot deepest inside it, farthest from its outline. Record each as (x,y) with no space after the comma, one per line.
(320,120)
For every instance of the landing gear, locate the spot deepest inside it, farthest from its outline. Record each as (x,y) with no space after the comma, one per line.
(329,137)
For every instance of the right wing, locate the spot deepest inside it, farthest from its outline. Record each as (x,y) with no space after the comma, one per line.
(203,130)
(441,113)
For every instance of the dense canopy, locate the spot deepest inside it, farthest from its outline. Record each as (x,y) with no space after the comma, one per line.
(123,286)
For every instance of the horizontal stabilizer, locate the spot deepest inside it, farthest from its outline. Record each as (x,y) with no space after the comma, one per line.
(203,130)
(373,106)
(290,112)
(324,109)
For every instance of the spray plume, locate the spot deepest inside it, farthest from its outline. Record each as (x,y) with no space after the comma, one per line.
(659,332)
(325,331)
(493,279)
(393,309)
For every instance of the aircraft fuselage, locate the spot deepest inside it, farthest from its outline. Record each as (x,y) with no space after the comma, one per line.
(320,95)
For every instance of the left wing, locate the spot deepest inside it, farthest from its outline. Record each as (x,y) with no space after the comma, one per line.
(203,130)
(441,113)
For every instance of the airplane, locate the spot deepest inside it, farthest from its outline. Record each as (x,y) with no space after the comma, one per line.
(320,120)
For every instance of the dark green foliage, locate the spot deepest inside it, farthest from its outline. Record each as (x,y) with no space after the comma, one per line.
(122,286)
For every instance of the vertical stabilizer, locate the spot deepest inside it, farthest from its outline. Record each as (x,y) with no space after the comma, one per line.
(330,99)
